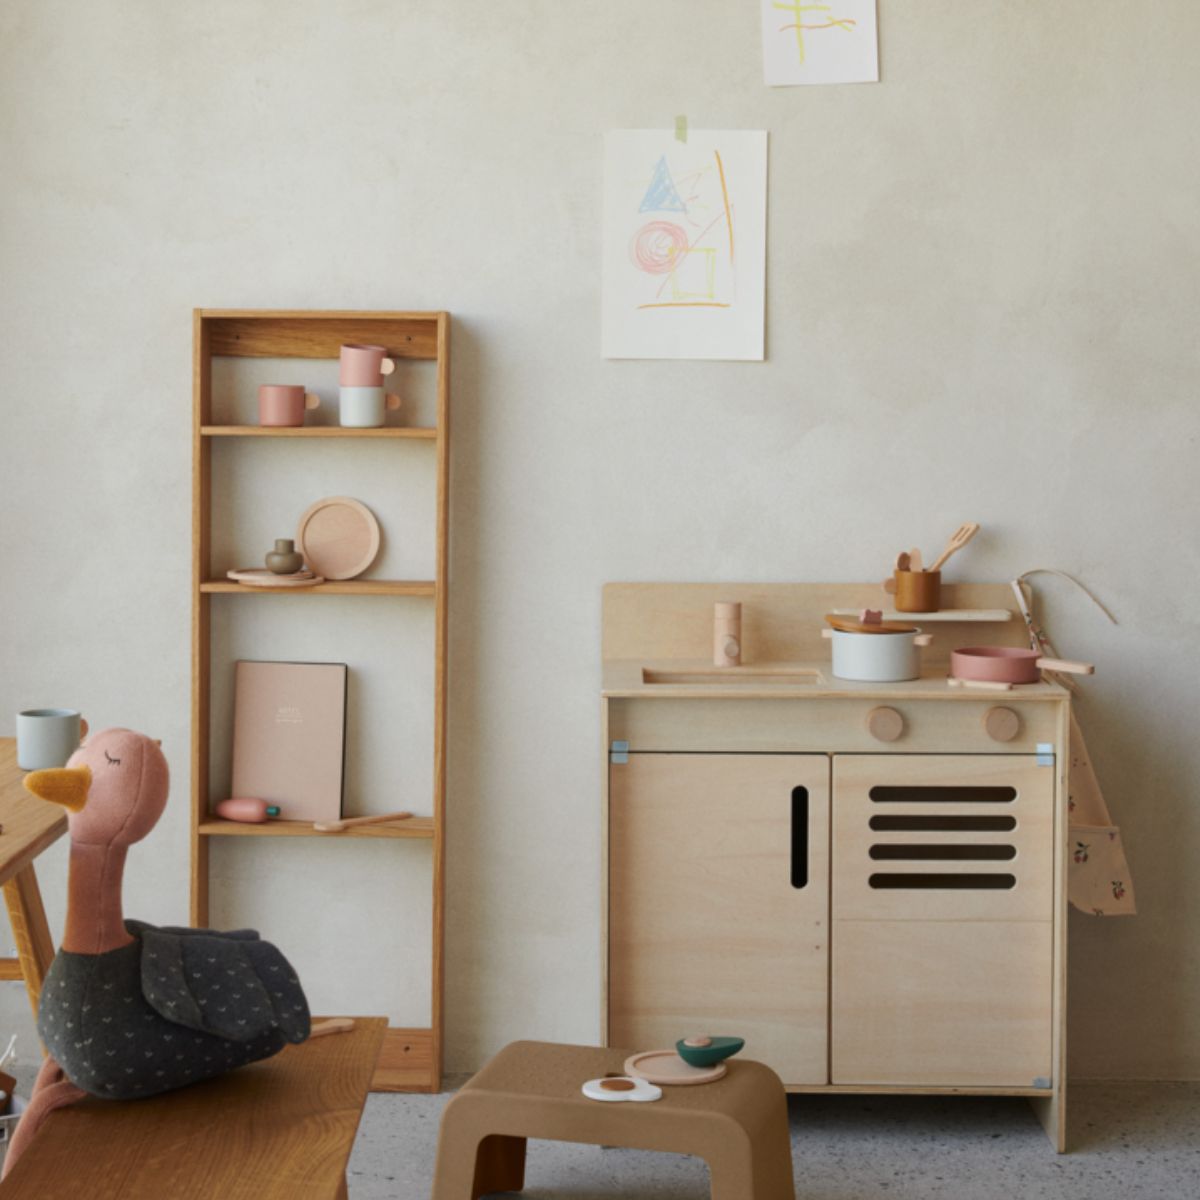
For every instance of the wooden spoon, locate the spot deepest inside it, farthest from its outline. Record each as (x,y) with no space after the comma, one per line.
(915,561)
(333,1025)
(351,822)
(961,536)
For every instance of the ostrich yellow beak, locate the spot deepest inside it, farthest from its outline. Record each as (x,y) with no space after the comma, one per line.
(67,786)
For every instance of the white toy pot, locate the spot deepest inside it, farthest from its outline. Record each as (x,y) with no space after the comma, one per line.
(877,657)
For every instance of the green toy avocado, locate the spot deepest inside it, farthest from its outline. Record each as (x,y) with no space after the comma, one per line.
(708,1051)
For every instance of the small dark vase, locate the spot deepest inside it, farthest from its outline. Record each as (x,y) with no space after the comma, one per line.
(284,560)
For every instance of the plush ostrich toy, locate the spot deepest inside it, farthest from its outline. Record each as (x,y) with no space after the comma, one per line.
(129,1010)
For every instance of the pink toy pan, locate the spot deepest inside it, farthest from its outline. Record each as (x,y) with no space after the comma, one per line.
(1009,664)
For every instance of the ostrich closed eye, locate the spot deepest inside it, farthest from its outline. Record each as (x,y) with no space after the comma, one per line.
(129,1010)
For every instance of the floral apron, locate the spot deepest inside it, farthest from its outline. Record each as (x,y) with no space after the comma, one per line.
(1098,879)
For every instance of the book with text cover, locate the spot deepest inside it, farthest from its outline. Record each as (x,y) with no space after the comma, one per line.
(289,736)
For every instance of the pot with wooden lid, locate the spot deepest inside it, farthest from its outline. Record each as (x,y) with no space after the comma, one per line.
(871,650)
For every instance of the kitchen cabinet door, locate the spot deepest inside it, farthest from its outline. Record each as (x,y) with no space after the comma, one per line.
(943,878)
(719,904)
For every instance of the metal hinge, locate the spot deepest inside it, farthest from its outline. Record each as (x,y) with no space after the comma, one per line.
(1040,1081)
(1045,754)
(619,753)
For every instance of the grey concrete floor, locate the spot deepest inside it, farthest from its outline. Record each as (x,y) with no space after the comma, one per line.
(1128,1141)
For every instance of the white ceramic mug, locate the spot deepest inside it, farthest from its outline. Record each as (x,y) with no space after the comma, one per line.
(364,407)
(47,737)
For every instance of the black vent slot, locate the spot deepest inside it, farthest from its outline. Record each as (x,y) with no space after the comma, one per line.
(950,882)
(947,824)
(984,853)
(943,795)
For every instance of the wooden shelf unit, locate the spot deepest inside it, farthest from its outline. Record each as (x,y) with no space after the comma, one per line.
(411,1059)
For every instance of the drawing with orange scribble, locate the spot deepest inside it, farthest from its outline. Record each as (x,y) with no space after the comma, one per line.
(684,244)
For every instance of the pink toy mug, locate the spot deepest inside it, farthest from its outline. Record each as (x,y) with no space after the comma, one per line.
(284,404)
(364,366)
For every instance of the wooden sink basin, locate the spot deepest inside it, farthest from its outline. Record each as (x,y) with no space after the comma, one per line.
(779,676)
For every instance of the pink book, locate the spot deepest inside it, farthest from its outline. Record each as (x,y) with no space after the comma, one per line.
(289,737)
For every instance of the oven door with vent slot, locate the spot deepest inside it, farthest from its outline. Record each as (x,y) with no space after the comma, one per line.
(942,905)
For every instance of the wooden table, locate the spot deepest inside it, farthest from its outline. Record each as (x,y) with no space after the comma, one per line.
(29,825)
(281,1129)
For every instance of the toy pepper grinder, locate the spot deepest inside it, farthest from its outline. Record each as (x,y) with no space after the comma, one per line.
(727,634)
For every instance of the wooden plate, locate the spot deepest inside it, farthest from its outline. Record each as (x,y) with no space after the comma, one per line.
(259,577)
(667,1068)
(338,537)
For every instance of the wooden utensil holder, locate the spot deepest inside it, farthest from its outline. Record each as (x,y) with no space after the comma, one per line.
(918,591)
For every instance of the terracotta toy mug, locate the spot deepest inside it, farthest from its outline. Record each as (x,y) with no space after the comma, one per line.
(364,366)
(284,404)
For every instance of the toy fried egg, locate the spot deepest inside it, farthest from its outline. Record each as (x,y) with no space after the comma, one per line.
(619,1088)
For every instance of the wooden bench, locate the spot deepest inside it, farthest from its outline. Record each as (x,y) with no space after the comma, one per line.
(281,1129)
(738,1125)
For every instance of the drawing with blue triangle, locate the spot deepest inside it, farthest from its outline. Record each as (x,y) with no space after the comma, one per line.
(661,195)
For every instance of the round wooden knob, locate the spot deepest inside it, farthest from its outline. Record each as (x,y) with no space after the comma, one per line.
(731,649)
(1002,724)
(699,1042)
(885,724)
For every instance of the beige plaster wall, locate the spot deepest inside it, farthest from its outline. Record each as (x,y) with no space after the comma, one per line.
(982,297)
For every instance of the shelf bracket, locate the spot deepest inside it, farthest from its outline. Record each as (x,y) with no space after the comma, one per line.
(619,753)
(1045,754)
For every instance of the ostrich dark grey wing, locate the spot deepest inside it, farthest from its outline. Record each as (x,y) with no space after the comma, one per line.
(283,989)
(244,935)
(237,987)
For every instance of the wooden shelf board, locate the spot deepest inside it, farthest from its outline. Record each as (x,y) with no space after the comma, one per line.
(946,614)
(414,827)
(422,433)
(344,587)
(285,334)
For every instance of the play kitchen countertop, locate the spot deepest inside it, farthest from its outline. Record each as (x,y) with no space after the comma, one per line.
(675,679)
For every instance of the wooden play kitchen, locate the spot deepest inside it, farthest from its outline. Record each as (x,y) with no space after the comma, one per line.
(339,537)
(864,879)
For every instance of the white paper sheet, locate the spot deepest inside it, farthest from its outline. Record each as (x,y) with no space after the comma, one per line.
(819,41)
(685,236)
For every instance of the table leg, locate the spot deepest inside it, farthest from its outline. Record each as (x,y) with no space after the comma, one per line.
(35,948)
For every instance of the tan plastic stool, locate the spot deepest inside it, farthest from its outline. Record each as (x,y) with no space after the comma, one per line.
(738,1125)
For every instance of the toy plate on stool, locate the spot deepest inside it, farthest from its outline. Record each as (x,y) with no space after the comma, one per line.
(666,1067)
